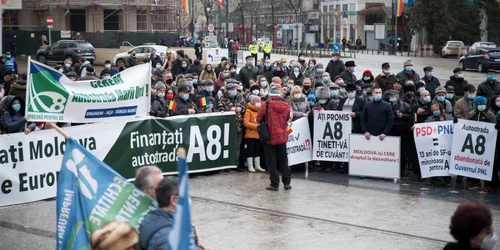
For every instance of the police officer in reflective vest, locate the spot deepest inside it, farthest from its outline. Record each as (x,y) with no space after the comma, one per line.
(10,63)
(267,48)
(254,49)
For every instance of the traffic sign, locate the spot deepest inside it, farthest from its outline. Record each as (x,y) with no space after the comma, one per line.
(211,28)
(336,47)
(214,56)
(50,22)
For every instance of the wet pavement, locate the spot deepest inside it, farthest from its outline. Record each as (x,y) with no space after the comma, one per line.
(326,211)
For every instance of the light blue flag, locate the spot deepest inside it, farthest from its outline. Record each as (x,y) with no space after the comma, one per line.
(181,235)
(90,194)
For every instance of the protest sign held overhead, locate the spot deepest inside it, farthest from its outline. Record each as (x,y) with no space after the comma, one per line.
(473,150)
(51,96)
(331,135)
(433,142)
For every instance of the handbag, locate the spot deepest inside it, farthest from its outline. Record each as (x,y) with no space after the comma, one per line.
(263,128)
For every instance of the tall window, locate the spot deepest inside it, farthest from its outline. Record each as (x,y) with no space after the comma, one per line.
(112,19)
(142,20)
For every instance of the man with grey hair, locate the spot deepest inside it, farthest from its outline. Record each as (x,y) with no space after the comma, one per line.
(147,179)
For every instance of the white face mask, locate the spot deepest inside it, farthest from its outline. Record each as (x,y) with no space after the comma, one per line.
(257,104)
(489,242)
(107,66)
(297,96)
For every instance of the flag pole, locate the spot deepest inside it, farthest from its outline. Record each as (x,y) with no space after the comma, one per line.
(61,131)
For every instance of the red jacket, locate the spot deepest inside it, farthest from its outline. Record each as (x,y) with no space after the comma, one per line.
(277,119)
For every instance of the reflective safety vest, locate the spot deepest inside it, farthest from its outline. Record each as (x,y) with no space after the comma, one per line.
(253,48)
(9,63)
(267,48)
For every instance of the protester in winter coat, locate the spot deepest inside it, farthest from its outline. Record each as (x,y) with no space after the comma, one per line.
(490,87)
(451,97)
(131,60)
(309,71)
(13,119)
(377,117)
(296,74)
(423,108)
(18,88)
(348,74)
(465,104)
(266,70)
(495,109)
(396,86)
(195,68)
(335,66)
(386,78)
(481,112)
(254,146)
(431,82)
(298,103)
(354,105)
(249,71)
(441,98)
(183,104)
(159,107)
(438,113)
(457,82)
(403,121)
(317,75)
(222,65)
(208,73)
(408,73)
(276,113)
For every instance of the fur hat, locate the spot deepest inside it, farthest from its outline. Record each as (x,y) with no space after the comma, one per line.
(181,82)
(114,236)
(323,93)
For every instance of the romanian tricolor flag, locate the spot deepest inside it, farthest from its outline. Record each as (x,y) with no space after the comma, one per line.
(172,105)
(289,129)
(187,7)
(221,3)
(398,8)
(204,101)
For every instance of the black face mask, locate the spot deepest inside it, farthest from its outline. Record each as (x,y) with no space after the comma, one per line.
(306,87)
(409,96)
(170,81)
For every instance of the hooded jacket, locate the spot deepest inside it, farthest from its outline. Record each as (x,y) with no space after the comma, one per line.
(249,121)
(18,88)
(277,119)
(12,121)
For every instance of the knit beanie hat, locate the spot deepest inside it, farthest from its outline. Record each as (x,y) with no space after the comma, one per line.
(311,97)
(480,100)
(274,92)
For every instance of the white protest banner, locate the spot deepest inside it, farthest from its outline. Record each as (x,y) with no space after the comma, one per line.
(473,150)
(433,141)
(31,163)
(375,158)
(53,97)
(331,135)
(298,147)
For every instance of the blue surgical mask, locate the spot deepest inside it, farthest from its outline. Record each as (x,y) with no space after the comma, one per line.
(275,66)
(365,93)
(311,65)
(16,107)
(334,59)
(161,94)
(421,89)
(320,71)
(325,79)
(302,58)
(1,95)
(436,112)
(408,68)
(285,65)
(498,104)
(190,83)
(322,101)
(296,70)
(366,78)
(257,104)
(334,93)
(233,70)
(351,95)
(285,79)
(440,98)
(225,75)
(370,98)
(255,92)
(377,97)
(268,65)
(232,93)
(393,99)
(263,84)
(481,107)
(471,96)
(185,97)
(343,91)
(460,76)
(427,99)
(449,96)
(249,63)
(195,81)
(430,74)
(491,77)
(289,87)
(210,89)
(209,106)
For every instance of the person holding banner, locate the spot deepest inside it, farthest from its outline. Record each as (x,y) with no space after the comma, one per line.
(159,106)
(377,117)
(182,104)
(13,119)
(438,113)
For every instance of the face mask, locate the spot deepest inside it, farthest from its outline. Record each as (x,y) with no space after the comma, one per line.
(302,58)
(268,65)
(109,66)
(312,104)
(449,96)
(263,84)
(67,65)
(471,96)
(351,95)
(170,96)
(461,76)
(377,97)
(297,96)
(334,93)
(257,104)
(255,92)
(421,89)
(440,98)
(275,66)
(489,242)
(491,77)
(427,99)
(209,106)
(225,75)
(158,66)
(170,81)
(306,87)
(370,98)
(8,56)
(210,89)
(393,99)
(343,91)
(285,79)
(325,79)
(387,72)
(232,93)
(60,70)
(184,65)
(436,113)
(16,107)
(430,74)
(481,107)
(366,78)
(498,104)
(322,102)
(320,71)
(296,70)
(161,95)
(365,93)
(249,63)
(311,65)
(1,95)
(334,59)
(408,68)
(185,97)
(190,83)
(240,88)
(162,57)
(285,65)
(107,77)
(289,87)
(227,66)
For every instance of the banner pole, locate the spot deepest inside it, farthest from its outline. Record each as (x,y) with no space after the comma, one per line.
(62,132)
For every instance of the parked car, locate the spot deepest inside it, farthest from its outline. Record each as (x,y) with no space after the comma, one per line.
(452,48)
(121,59)
(481,59)
(484,45)
(64,49)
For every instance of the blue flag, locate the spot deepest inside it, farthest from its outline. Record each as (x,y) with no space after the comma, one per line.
(91,194)
(410,3)
(181,235)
